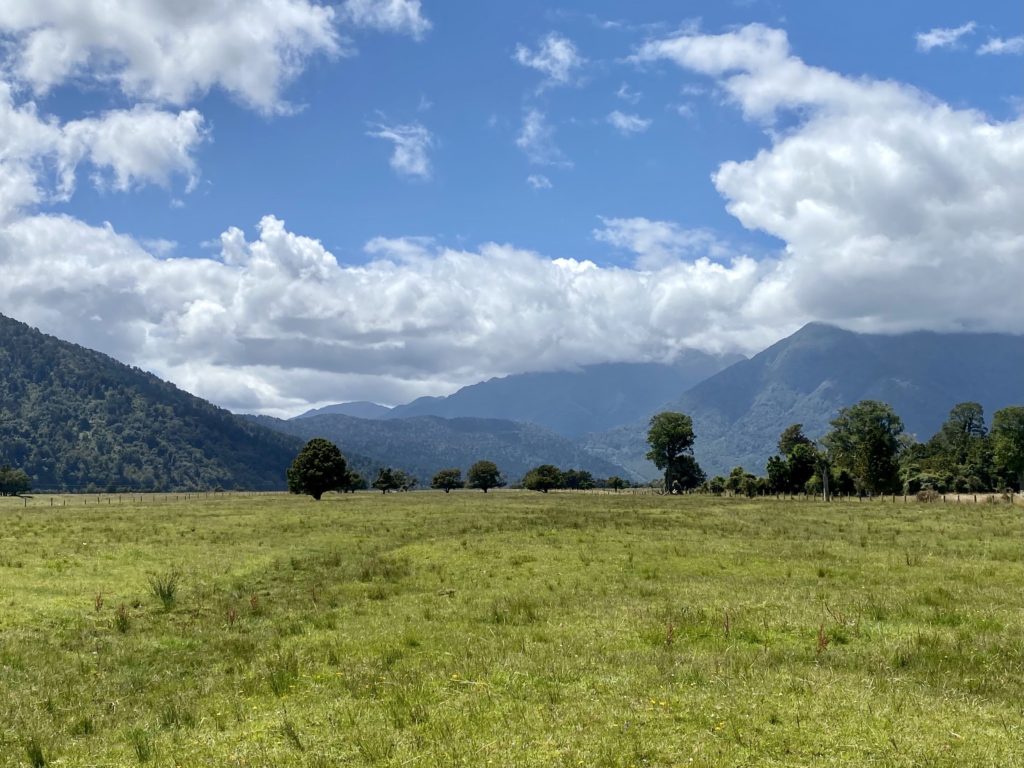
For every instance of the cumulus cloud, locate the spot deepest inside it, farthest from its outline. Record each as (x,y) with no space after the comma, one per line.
(556,58)
(169,51)
(943,38)
(39,155)
(537,139)
(418,316)
(401,16)
(658,244)
(539,181)
(627,125)
(1013,46)
(897,211)
(412,144)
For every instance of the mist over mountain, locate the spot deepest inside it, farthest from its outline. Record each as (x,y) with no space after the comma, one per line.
(423,445)
(76,419)
(806,378)
(591,399)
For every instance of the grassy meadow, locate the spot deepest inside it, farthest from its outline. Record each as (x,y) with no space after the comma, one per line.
(510,629)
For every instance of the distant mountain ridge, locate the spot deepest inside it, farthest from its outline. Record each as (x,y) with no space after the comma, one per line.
(360,409)
(423,445)
(572,403)
(76,419)
(806,378)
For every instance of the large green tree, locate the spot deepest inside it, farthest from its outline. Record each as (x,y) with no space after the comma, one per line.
(14,482)
(543,478)
(485,475)
(792,436)
(670,436)
(865,441)
(1008,442)
(318,468)
(447,479)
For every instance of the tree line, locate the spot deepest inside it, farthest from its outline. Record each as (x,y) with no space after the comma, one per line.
(866,452)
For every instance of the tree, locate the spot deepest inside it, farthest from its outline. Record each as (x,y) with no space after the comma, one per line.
(318,468)
(803,464)
(543,478)
(1008,441)
(484,475)
(354,482)
(778,474)
(14,482)
(865,441)
(577,479)
(388,479)
(962,431)
(616,483)
(447,479)
(792,436)
(671,439)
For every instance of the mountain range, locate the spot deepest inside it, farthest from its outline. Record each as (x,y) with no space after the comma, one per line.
(806,378)
(77,419)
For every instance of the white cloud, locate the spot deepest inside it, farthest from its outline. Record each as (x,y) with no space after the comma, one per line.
(401,16)
(1013,46)
(627,125)
(169,51)
(411,146)
(943,38)
(659,244)
(556,58)
(537,140)
(628,95)
(276,321)
(896,210)
(539,181)
(140,146)
(39,156)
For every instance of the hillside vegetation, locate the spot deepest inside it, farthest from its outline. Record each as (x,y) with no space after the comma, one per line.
(76,419)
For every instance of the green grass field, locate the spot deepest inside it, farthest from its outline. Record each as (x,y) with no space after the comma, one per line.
(511,629)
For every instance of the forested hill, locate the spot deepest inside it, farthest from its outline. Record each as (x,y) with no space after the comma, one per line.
(76,419)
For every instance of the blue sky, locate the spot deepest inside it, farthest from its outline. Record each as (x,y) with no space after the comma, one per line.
(146,148)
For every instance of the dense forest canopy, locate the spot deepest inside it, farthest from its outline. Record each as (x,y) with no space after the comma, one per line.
(75,419)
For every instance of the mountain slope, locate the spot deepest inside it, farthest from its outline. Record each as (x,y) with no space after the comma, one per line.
(360,409)
(806,378)
(76,419)
(425,444)
(571,403)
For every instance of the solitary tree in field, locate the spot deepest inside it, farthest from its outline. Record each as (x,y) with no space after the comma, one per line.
(318,468)
(616,483)
(388,479)
(447,479)
(14,482)
(484,475)
(671,439)
(543,478)
(865,441)
(1008,441)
